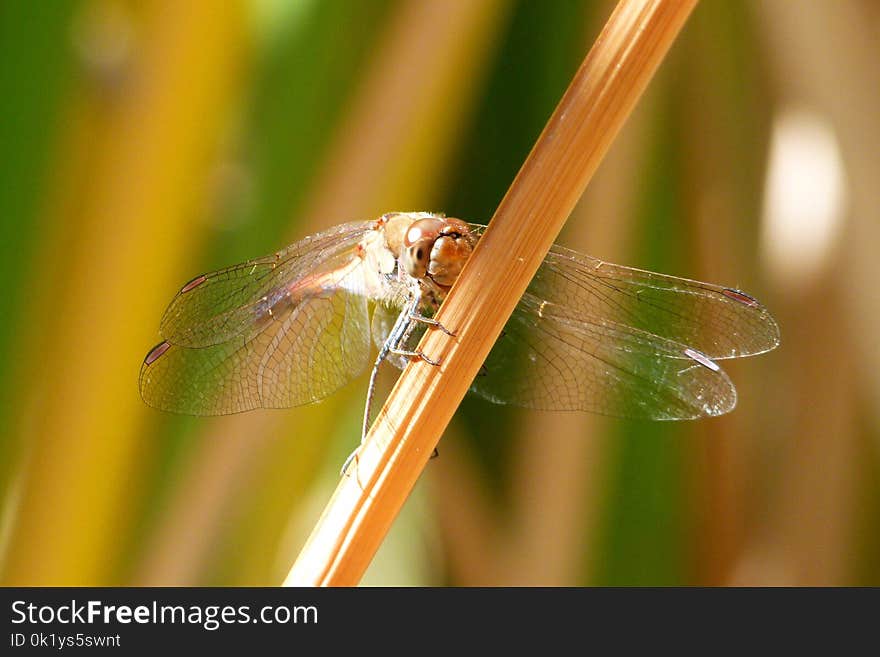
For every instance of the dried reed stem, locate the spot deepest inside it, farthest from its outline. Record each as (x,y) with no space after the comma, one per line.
(600,97)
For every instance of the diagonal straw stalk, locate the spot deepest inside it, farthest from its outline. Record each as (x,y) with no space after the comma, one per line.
(595,105)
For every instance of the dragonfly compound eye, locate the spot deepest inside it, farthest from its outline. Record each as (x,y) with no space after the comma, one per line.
(417,245)
(449,252)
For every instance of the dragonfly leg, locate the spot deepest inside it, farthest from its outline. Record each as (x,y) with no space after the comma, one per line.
(399,333)
(430,321)
(398,336)
(420,355)
(351,457)
(371,392)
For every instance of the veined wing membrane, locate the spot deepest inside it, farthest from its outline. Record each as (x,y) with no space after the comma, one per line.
(717,321)
(213,308)
(547,361)
(720,322)
(299,357)
(272,333)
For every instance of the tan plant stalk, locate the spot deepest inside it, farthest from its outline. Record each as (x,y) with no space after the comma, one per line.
(598,100)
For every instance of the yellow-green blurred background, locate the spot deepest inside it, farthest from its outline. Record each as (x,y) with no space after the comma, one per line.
(146,142)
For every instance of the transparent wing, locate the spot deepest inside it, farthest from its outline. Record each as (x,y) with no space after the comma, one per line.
(272,333)
(718,321)
(546,361)
(299,358)
(594,336)
(213,308)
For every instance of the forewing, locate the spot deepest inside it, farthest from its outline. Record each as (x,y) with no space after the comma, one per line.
(718,321)
(214,308)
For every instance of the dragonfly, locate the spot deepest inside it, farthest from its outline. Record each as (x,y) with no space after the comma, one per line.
(295,326)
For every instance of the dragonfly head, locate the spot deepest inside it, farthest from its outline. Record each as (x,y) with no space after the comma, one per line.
(436,248)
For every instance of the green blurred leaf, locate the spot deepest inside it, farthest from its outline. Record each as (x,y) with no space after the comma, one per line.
(36,71)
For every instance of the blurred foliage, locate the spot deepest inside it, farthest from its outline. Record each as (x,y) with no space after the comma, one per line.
(35,75)
(144,143)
